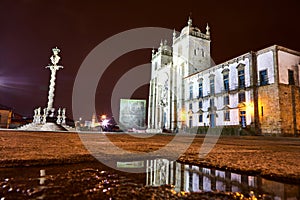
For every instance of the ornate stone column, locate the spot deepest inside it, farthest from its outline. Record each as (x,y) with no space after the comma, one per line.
(53,68)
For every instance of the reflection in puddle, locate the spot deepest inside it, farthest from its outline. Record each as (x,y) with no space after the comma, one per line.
(192,178)
(132,164)
(42,176)
(96,181)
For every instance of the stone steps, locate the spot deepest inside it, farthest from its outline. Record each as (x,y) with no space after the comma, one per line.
(49,126)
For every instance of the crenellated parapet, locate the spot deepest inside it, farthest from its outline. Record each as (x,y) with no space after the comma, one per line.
(164,49)
(192,31)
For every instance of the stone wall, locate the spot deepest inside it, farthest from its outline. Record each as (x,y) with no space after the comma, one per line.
(290,109)
(269,109)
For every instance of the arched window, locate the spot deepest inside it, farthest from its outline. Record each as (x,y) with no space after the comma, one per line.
(200,104)
(226,115)
(291,77)
(226,100)
(225,73)
(212,84)
(263,77)
(241,75)
(191,91)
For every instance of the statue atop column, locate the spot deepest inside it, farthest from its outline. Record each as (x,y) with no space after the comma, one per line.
(46,118)
(55,57)
(54,67)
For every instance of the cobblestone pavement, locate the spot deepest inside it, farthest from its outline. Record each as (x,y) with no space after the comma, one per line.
(273,157)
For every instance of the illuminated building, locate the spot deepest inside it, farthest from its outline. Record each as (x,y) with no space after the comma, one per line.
(258,91)
(5,116)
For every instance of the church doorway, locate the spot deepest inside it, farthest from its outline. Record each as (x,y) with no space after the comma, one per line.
(243,118)
(242,114)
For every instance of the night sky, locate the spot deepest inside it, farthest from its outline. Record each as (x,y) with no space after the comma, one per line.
(31,28)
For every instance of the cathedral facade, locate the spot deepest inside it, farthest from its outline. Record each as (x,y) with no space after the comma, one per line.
(257,90)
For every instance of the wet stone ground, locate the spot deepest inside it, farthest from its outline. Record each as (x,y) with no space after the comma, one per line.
(270,157)
(92,183)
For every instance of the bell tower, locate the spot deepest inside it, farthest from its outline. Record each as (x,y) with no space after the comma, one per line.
(191,49)
(191,54)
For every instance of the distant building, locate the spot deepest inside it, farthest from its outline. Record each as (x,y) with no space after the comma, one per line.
(18,120)
(5,116)
(257,90)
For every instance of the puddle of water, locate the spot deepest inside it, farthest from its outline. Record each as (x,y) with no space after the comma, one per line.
(191,178)
(163,179)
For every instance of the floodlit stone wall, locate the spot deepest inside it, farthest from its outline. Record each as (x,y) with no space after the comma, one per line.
(288,61)
(279,102)
(290,109)
(269,109)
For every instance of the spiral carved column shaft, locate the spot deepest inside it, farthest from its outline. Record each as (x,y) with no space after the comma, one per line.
(51,89)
